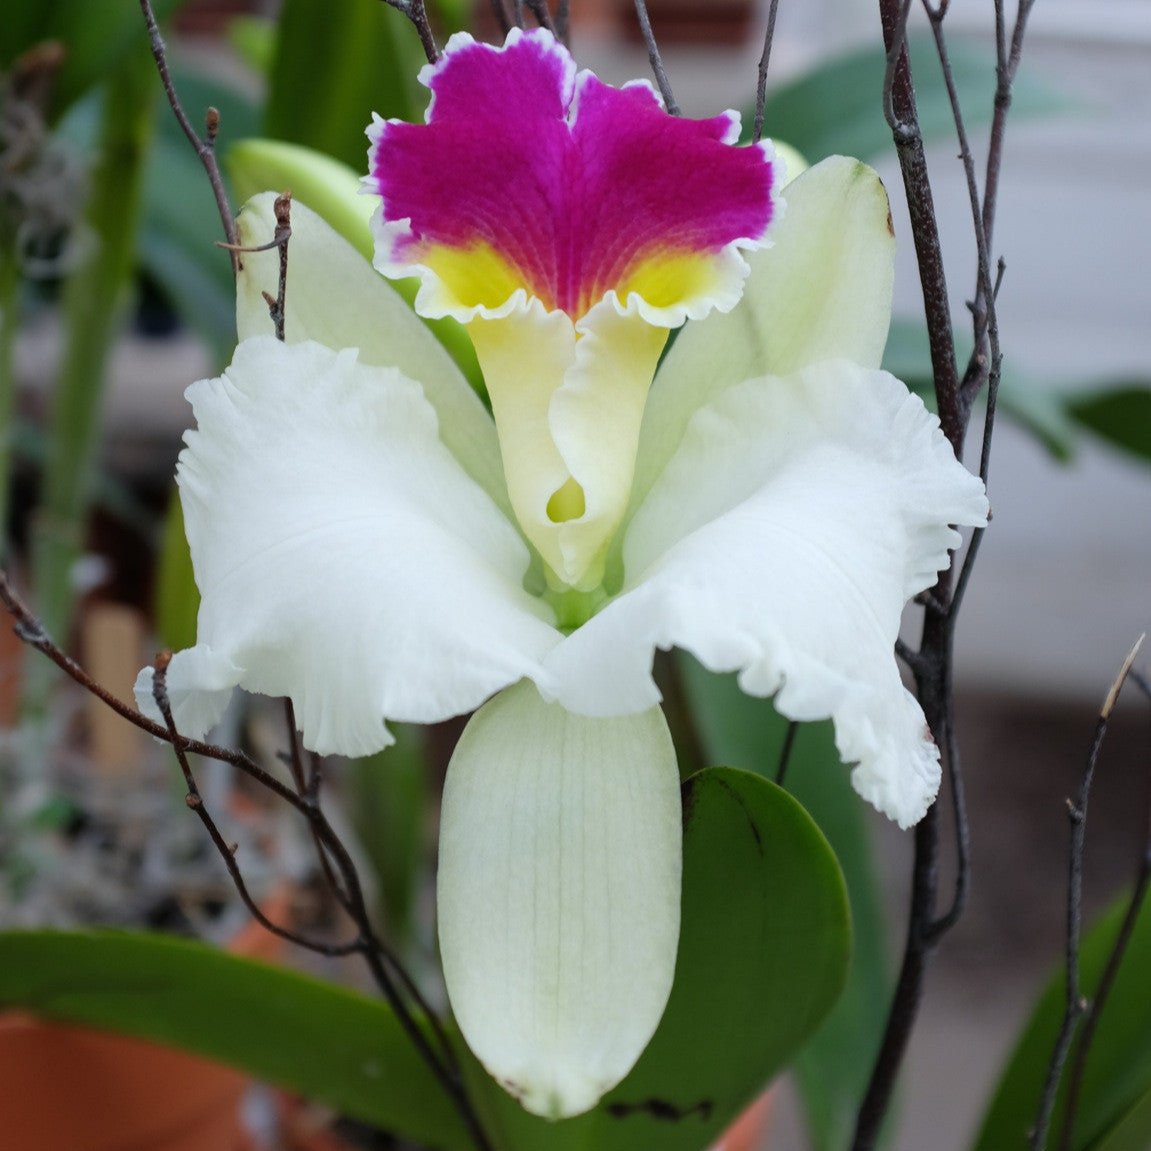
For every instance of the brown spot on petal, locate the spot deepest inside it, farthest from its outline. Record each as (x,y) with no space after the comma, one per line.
(661,1109)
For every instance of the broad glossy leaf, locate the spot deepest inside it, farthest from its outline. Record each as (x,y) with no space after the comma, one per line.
(335,65)
(1119,413)
(1132,1132)
(329,1044)
(763,954)
(1035,407)
(832,1069)
(836,109)
(1114,1102)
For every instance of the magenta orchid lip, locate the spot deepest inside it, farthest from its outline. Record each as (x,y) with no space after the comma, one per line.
(529,174)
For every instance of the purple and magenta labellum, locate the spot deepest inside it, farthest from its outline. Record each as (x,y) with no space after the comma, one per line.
(528,176)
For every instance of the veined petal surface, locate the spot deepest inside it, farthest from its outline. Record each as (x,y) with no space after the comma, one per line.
(822,292)
(559,894)
(335,297)
(532,181)
(782,541)
(343,556)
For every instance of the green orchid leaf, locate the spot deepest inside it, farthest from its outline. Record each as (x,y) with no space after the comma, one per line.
(832,1069)
(836,110)
(329,1044)
(177,597)
(762,958)
(1036,408)
(255,38)
(96,35)
(1132,1132)
(450,16)
(1118,413)
(763,954)
(335,65)
(1115,1102)
(388,808)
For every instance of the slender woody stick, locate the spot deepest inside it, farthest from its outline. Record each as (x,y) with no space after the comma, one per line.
(764,61)
(416,11)
(655,59)
(382,962)
(1107,979)
(1075,1005)
(931,664)
(205,148)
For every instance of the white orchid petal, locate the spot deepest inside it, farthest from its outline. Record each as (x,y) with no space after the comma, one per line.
(782,541)
(559,890)
(822,292)
(199,682)
(335,297)
(344,557)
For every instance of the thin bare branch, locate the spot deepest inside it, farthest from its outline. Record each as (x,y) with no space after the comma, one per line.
(908,988)
(764,63)
(655,59)
(1075,1005)
(205,147)
(416,11)
(785,753)
(500,12)
(563,22)
(900,107)
(539,9)
(384,965)
(227,852)
(948,919)
(1115,959)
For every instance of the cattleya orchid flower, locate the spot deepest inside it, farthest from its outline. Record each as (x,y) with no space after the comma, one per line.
(369,541)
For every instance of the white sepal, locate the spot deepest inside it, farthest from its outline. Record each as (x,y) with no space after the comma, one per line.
(821,292)
(559,894)
(782,541)
(344,557)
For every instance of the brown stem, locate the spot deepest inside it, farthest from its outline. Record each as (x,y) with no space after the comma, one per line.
(416,11)
(205,148)
(761,77)
(655,59)
(903,119)
(1075,1005)
(382,962)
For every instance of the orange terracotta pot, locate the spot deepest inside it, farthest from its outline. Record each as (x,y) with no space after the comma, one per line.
(749,1131)
(65,1088)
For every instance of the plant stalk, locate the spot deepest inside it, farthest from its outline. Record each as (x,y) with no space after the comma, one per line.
(93,306)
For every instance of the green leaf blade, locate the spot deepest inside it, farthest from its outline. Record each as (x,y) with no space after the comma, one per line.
(330,1044)
(764,948)
(832,1069)
(335,65)
(1117,1077)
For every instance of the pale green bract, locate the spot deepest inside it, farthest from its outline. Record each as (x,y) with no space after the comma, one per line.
(355,549)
